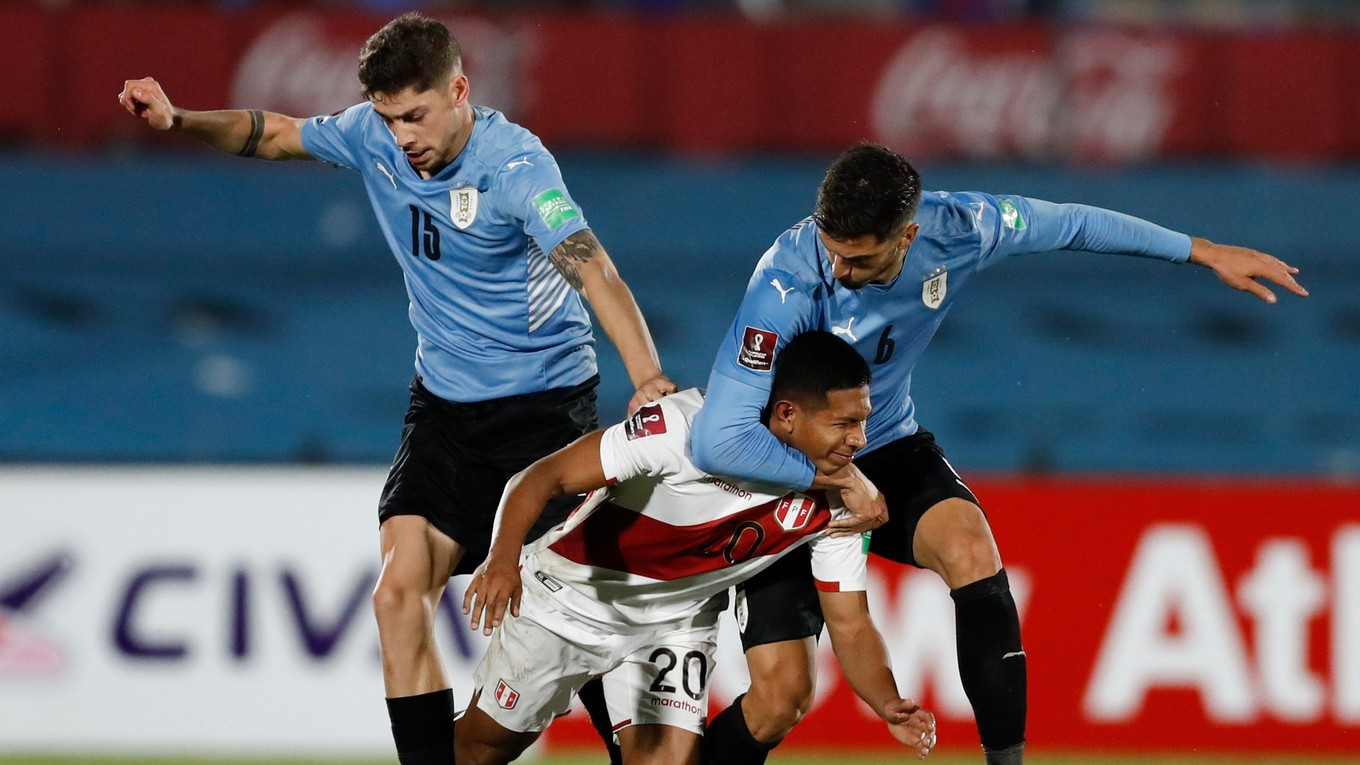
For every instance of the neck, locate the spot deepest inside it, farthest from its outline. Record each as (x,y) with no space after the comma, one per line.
(891,273)
(462,133)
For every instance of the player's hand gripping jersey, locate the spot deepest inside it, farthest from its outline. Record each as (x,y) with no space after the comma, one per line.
(494,317)
(792,291)
(666,538)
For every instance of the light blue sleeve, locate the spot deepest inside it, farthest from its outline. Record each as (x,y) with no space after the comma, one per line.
(535,196)
(727,437)
(1013,225)
(332,137)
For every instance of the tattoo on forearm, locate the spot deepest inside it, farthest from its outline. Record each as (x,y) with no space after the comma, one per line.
(256,132)
(574,250)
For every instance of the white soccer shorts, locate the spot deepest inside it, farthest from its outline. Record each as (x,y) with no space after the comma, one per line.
(536,663)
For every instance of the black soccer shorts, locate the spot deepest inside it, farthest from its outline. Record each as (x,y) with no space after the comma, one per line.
(455,459)
(913,475)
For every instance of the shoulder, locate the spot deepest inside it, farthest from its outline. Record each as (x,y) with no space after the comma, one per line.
(951,212)
(955,222)
(796,258)
(354,119)
(670,416)
(503,145)
(655,435)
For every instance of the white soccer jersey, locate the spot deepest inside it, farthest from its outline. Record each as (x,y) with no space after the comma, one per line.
(665,537)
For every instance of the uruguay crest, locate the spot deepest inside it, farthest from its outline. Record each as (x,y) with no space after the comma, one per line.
(463,207)
(933,290)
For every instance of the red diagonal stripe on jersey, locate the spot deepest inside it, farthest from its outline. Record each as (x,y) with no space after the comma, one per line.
(620,539)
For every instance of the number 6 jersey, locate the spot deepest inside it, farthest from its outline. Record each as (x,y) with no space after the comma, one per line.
(665,538)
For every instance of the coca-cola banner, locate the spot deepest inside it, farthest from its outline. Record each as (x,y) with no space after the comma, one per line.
(721,84)
(1222,616)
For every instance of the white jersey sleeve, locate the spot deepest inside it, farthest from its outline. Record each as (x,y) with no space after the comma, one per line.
(652,441)
(840,564)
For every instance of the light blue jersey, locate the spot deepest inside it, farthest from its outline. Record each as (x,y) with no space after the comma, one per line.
(493,317)
(792,291)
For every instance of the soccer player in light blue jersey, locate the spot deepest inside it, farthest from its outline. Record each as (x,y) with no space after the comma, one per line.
(495,255)
(879,263)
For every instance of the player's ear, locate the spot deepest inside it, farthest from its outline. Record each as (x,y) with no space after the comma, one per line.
(783,416)
(459,89)
(908,235)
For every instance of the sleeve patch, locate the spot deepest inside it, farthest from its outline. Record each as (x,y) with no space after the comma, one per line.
(1010,215)
(554,208)
(649,420)
(757,349)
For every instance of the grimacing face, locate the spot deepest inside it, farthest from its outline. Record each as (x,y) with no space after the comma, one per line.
(866,260)
(829,436)
(428,124)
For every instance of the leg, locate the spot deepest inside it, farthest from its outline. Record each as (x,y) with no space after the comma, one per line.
(935,522)
(953,540)
(417,561)
(431,498)
(483,741)
(783,683)
(539,425)
(658,745)
(534,665)
(592,698)
(780,618)
(657,693)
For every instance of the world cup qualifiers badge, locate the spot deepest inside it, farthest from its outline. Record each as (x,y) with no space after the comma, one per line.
(757,349)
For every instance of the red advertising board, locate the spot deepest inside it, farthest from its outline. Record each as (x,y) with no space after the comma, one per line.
(706,84)
(1214,616)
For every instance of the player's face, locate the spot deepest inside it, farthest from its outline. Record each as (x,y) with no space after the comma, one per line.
(430,126)
(831,435)
(866,259)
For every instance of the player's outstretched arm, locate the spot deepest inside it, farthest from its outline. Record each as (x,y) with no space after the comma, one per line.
(1240,267)
(584,263)
(573,469)
(864,661)
(252,133)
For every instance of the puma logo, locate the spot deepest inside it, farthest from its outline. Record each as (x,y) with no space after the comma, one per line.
(517,163)
(783,293)
(387,173)
(846,330)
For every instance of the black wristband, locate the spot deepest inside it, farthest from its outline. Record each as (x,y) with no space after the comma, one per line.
(256,132)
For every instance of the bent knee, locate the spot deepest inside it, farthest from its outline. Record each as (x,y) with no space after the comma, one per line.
(954,540)
(774,707)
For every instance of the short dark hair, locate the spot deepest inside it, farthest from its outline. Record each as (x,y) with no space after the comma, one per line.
(411,51)
(869,190)
(813,364)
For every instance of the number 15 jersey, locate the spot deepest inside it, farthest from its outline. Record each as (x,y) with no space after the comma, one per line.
(493,316)
(665,538)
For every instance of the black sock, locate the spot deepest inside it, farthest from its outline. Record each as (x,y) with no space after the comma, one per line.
(422,727)
(727,740)
(592,698)
(991,661)
(1014,755)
